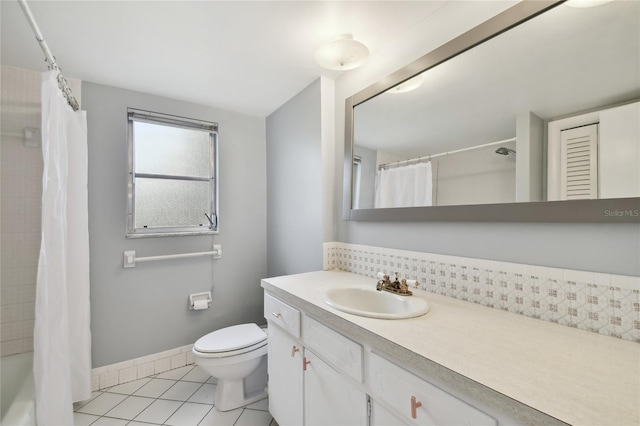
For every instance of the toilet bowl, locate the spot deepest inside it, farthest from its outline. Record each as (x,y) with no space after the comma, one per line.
(237,357)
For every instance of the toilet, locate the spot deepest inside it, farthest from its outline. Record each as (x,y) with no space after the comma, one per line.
(237,357)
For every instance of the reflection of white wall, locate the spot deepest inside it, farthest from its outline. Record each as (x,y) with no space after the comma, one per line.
(529,145)
(367,176)
(479,176)
(384,157)
(619,152)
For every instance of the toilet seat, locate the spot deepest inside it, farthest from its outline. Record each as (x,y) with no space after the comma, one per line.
(231,341)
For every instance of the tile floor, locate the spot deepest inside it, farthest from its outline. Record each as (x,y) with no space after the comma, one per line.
(180,397)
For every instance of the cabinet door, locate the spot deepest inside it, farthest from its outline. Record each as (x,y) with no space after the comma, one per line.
(285,377)
(381,416)
(579,163)
(329,398)
(418,401)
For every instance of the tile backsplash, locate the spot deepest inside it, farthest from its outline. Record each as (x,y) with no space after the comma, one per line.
(601,303)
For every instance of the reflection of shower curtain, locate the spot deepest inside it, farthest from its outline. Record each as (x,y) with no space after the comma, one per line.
(408,186)
(62,339)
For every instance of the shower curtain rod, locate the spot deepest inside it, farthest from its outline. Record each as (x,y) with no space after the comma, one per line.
(62,82)
(442,154)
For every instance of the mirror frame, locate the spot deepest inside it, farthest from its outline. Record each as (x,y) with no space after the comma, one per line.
(613,210)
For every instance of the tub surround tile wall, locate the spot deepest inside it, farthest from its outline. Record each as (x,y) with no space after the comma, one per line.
(21,186)
(607,304)
(21,209)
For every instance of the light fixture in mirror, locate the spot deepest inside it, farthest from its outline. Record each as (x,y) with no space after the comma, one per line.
(520,90)
(408,86)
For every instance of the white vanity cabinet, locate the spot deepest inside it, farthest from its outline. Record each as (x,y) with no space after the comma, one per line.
(312,380)
(321,378)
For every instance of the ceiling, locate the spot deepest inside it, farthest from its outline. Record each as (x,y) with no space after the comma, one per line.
(244,56)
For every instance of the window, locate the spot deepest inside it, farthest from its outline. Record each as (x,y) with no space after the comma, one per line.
(173,175)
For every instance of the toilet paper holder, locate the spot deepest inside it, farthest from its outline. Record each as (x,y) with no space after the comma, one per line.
(198,301)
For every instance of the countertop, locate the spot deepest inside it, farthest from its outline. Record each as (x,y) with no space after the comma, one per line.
(574,376)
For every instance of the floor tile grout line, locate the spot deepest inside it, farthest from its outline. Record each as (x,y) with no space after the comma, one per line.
(174,412)
(207,413)
(241,413)
(170,415)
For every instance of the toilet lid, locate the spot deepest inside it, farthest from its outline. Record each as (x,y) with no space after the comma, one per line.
(231,338)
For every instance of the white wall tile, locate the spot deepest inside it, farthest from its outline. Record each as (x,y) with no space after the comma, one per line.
(162,365)
(127,375)
(108,379)
(179,360)
(121,365)
(145,370)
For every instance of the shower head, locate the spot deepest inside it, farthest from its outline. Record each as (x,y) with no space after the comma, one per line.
(505,151)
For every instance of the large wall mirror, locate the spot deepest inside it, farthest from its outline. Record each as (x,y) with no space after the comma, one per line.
(532,116)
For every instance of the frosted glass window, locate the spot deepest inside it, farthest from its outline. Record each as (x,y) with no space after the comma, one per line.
(161,202)
(170,150)
(173,183)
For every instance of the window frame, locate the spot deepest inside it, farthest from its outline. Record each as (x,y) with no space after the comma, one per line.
(138,115)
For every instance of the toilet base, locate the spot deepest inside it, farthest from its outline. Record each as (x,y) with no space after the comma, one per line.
(232,394)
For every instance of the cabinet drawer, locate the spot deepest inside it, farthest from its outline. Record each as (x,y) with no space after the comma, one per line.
(433,406)
(343,354)
(278,312)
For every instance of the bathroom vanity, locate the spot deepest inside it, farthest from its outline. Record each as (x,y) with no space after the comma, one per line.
(461,363)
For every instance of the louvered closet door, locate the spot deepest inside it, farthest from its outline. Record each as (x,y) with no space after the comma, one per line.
(579,163)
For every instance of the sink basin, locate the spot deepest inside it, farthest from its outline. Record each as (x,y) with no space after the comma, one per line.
(375,304)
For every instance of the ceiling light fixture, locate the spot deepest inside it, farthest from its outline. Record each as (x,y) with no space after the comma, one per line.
(586,3)
(407,86)
(342,53)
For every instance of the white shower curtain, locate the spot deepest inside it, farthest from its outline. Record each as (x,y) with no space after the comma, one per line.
(406,186)
(62,336)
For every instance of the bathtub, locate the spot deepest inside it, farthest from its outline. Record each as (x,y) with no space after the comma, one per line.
(17,390)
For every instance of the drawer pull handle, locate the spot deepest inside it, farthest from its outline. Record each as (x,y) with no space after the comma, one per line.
(414,406)
(305,362)
(294,350)
(278,315)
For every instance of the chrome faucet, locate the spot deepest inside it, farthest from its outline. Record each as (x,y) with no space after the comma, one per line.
(396,287)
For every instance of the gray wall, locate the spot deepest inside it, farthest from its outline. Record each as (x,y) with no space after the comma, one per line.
(591,247)
(294,185)
(143,310)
